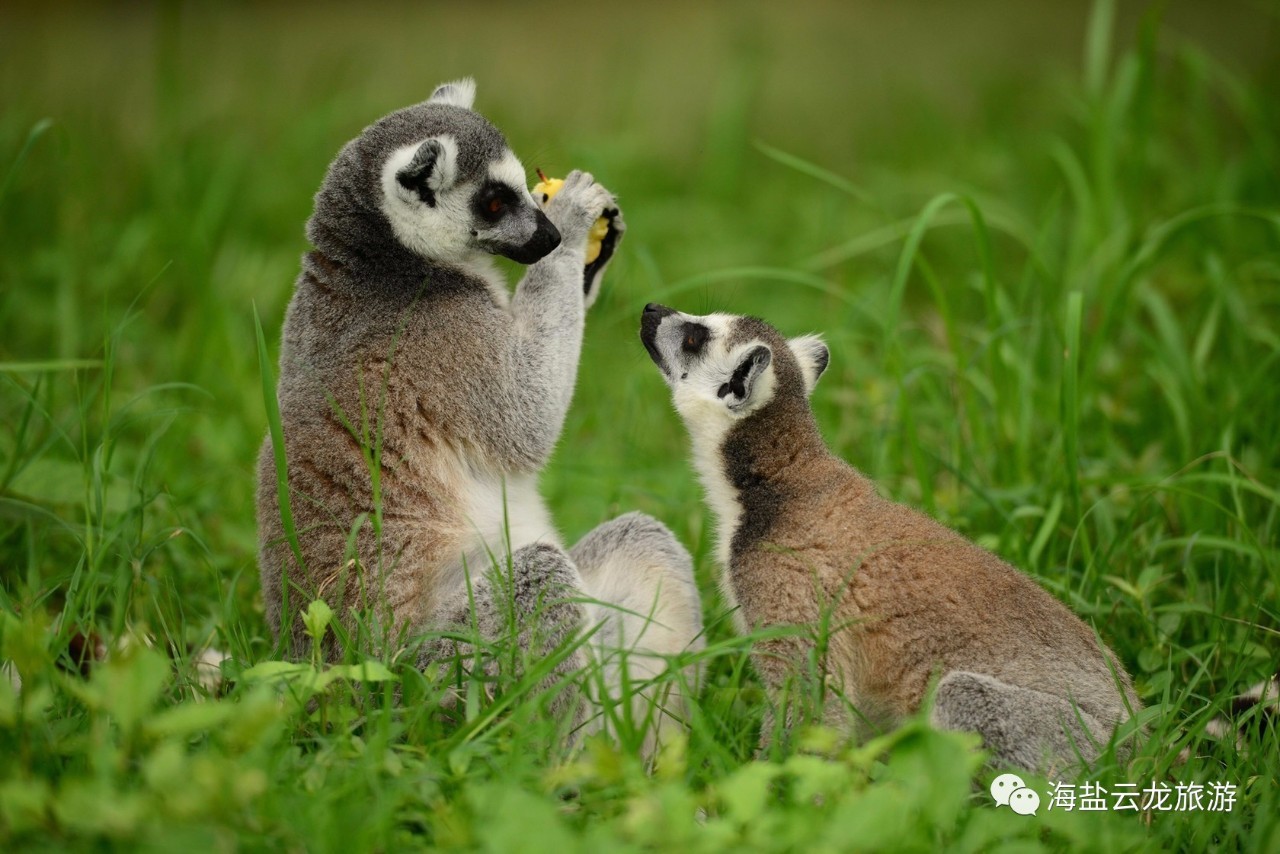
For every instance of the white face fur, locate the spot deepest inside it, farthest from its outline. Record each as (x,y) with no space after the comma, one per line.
(714,383)
(440,218)
(433,232)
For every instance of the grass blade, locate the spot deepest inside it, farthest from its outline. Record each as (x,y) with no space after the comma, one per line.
(38,130)
(48,366)
(1071,398)
(804,167)
(1097,45)
(276,430)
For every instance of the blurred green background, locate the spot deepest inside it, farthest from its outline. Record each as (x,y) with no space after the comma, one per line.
(1041,238)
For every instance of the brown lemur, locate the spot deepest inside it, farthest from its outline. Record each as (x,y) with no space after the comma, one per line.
(420,398)
(805,541)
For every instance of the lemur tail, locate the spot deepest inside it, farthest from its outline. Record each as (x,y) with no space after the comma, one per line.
(1234,725)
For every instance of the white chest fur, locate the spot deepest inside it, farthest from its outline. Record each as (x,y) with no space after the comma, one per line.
(722,499)
(500,515)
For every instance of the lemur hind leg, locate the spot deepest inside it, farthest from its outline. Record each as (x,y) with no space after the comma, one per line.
(521,618)
(646,606)
(1022,727)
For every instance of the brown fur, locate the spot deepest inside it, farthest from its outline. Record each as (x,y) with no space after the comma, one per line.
(422,450)
(907,600)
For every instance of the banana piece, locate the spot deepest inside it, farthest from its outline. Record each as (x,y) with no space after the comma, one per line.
(546,189)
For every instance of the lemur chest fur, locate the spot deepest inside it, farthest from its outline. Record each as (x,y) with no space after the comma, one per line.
(397,381)
(500,515)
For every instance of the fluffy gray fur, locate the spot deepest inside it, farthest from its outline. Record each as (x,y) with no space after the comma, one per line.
(403,345)
(536,608)
(889,598)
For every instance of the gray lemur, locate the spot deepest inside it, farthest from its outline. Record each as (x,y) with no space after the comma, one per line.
(806,541)
(420,398)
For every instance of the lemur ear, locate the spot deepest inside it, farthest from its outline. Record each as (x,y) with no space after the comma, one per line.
(430,169)
(459,93)
(743,384)
(813,356)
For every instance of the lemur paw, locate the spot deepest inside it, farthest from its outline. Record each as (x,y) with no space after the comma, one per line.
(580,202)
(594,271)
(574,210)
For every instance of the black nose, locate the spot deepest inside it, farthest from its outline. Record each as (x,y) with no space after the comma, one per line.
(546,237)
(650,320)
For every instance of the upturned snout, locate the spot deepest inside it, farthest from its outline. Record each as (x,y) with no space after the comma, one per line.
(650,320)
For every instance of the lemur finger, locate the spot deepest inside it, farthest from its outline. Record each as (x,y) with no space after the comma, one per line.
(597,200)
(578,178)
(594,270)
(577,205)
(616,222)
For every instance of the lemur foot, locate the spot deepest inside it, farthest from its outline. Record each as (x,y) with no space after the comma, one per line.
(535,610)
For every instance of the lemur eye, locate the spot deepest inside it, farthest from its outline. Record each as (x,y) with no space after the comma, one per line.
(695,335)
(494,201)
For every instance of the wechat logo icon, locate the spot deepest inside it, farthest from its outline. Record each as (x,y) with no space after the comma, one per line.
(1010,790)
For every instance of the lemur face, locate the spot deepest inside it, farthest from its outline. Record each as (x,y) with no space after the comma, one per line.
(723,367)
(461,191)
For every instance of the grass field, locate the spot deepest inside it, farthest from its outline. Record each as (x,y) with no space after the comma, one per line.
(1042,242)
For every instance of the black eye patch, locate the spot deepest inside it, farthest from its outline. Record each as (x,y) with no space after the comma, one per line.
(695,336)
(494,200)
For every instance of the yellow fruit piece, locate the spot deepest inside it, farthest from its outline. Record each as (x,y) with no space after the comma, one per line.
(546,189)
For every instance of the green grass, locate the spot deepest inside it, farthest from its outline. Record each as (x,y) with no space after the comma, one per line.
(1051,285)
